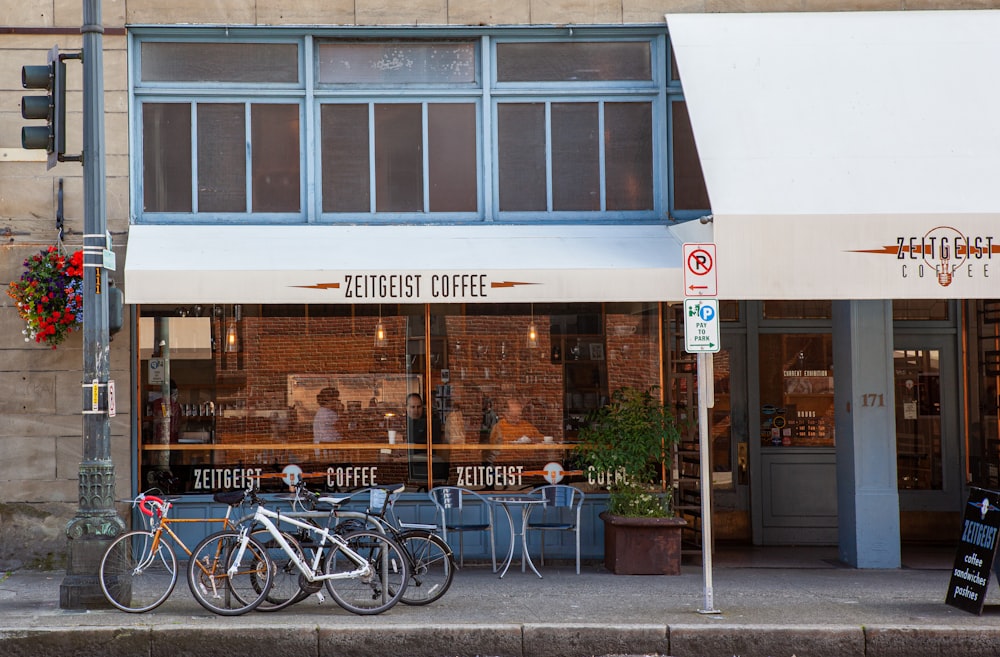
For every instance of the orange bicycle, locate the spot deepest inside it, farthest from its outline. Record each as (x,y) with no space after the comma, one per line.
(138,571)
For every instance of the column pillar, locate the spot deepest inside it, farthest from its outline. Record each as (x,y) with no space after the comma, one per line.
(867,494)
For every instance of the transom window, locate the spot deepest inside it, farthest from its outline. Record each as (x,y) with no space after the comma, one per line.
(486,128)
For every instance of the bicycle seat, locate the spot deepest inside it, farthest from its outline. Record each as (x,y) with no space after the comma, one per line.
(230,497)
(334,501)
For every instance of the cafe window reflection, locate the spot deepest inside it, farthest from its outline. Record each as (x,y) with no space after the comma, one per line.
(313,392)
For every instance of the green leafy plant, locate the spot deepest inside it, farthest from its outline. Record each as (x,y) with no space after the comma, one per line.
(631,440)
(49,295)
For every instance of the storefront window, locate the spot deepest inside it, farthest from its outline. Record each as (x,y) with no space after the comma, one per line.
(796,390)
(445,394)
(798,309)
(920,309)
(690,191)
(252,63)
(397,62)
(568,125)
(224,152)
(594,61)
(568,138)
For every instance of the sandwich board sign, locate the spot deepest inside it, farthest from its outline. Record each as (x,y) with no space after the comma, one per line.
(977,549)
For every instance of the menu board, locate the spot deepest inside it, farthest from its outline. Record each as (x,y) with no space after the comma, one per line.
(977,548)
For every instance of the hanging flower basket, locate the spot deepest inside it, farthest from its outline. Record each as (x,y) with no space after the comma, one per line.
(49,295)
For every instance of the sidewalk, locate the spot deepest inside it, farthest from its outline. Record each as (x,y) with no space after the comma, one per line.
(797,602)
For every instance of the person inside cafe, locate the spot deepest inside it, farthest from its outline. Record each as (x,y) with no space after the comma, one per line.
(416,435)
(513,427)
(167,424)
(325,429)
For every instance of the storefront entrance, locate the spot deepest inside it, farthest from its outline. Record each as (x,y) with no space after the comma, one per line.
(928,446)
(793,461)
(796,482)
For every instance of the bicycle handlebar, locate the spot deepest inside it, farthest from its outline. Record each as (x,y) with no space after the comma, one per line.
(149,503)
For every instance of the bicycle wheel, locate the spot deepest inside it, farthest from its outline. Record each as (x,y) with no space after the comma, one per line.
(225,580)
(370,573)
(135,575)
(432,567)
(285,589)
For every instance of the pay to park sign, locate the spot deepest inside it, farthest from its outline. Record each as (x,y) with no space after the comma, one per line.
(977,548)
(701,325)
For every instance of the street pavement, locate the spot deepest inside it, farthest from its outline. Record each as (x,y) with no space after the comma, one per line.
(771,602)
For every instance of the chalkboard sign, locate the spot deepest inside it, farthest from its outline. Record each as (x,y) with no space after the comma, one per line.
(977,548)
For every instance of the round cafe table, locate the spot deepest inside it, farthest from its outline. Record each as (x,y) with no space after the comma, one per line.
(524,502)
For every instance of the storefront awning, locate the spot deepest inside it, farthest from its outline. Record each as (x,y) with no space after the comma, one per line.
(402,264)
(848,155)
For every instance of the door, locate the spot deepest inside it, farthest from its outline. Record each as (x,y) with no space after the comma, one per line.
(794,488)
(928,446)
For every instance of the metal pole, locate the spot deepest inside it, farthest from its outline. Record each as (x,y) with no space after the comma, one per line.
(96,522)
(706,395)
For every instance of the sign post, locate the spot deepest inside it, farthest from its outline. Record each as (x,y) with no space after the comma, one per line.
(701,337)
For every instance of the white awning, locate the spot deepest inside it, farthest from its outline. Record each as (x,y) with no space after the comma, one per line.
(848,155)
(401,264)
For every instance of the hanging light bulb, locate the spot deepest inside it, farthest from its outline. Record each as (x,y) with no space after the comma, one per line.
(232,340)
(380,338)
(232,335)
(532,331)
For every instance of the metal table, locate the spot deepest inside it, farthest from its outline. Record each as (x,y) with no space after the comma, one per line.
(524,502)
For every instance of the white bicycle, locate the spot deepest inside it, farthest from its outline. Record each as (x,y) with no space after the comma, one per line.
(365,572)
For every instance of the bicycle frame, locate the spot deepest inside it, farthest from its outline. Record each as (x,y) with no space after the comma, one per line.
(311,572)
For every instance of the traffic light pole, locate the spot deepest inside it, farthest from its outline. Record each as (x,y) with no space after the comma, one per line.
(96,522)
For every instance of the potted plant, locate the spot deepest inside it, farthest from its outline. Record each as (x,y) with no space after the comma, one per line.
(630,442)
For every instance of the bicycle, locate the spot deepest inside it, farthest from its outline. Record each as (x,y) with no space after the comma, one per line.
(431,562)
(138,570)
(365,572)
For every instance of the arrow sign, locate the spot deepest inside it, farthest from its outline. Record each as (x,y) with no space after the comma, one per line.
(700,274)
(701,325)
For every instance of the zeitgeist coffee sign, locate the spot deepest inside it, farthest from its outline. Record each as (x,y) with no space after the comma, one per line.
(977,548)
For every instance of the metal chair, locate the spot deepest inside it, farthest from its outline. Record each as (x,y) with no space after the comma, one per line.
(561,512)
(461,510)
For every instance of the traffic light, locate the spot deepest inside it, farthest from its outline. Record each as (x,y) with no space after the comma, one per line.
(52,107)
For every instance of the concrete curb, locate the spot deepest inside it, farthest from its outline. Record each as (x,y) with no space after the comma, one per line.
(743,640)
(508,640)
(924,640)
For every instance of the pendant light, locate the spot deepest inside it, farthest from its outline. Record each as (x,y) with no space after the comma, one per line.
(380,338)
(532,331)
(232,335)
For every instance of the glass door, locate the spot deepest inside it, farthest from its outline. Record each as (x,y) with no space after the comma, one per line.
(927,438)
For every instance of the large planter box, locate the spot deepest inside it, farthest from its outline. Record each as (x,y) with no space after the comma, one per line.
(642,546)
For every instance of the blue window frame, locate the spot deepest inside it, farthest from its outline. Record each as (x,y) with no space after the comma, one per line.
(459,126)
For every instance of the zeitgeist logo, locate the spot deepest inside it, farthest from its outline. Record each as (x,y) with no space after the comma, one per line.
(943,252)
(984,507)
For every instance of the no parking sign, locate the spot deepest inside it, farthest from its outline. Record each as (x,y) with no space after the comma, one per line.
(700,275)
